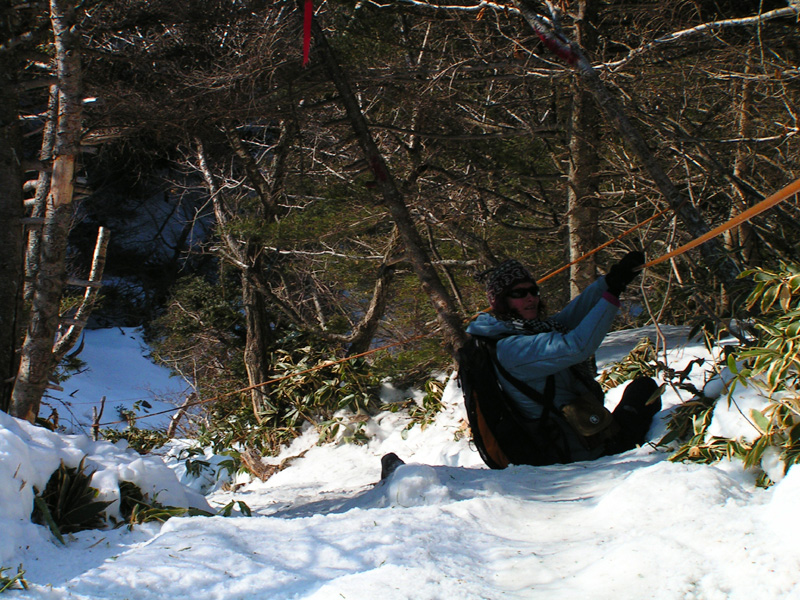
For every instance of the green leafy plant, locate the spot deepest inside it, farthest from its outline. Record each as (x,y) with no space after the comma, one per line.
(356,433)
(197,466)
(127,415)
(693,419)
(227,510)
(232,425)
(770,363)
(425,413)
(8,583)
(194,466)
(144,512)
(353,428)
(640,362)
(69,503)
(699,447)
(328,429)
(309,388)
(777,355)
(136,507)
(141,440)
(643,361)
(690,420)
(130,495)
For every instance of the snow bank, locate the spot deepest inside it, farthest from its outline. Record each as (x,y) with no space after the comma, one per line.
(442,526)
(29,455)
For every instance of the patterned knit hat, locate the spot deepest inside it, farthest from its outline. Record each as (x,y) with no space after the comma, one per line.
(502,278)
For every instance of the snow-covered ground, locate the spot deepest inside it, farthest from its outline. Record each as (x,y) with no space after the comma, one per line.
(442,526)
(118,372)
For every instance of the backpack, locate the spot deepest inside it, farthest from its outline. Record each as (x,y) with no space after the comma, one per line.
(501,434)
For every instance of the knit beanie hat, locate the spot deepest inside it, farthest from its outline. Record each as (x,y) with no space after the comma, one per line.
(502,278)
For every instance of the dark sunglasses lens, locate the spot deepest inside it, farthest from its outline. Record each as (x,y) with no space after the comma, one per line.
(522,292)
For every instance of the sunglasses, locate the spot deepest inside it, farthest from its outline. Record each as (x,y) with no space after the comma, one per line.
(522,292)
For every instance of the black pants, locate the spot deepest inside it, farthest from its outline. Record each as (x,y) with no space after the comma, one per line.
(634,415)
(553,441)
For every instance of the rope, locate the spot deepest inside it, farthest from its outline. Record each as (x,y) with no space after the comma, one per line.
(757,209)
(601,246)
(774,199)
(331,363)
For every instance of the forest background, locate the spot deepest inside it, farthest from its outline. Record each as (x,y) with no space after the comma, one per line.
(258,216)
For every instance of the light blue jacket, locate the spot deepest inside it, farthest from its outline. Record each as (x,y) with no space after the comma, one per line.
(532,357)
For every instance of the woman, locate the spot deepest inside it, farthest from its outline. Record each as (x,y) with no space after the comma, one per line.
(553,357)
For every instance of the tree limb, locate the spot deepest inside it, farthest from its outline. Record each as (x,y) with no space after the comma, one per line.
(548,30)
(430,282)
(67,340)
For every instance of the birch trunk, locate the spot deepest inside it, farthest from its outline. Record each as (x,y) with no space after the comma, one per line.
(39,207)
(37,359)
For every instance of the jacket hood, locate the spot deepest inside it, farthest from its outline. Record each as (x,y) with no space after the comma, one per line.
(487,325)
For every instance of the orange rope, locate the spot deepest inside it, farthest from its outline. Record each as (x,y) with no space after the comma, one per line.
(776,198)
(601,246)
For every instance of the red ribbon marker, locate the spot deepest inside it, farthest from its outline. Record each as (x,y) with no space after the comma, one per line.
(308,14)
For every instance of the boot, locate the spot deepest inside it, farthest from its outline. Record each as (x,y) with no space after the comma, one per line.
(634,413)
(389,464)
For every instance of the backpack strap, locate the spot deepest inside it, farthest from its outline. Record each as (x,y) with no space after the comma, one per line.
(545,400)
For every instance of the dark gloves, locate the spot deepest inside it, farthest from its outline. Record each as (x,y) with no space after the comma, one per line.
(623,272)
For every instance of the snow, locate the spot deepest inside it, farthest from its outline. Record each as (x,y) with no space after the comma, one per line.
(442,526)
(119,371)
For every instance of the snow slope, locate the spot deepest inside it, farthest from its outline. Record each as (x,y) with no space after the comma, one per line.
(442,526)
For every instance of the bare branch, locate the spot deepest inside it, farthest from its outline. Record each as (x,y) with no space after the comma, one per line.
(67,340)
(713,253)
(713,26)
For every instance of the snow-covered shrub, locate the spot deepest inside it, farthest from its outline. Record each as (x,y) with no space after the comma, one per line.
(771,363)
(69,503)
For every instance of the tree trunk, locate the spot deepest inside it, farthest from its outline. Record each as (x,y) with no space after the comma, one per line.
(743,237)
(11,233)
(80,318)
(33,248)
(256,343)
(432,286)
(368,326)
(583,180)
(718,262)
(365,331)
(247,259)
(36,360)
